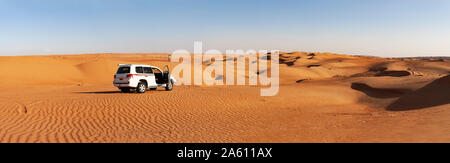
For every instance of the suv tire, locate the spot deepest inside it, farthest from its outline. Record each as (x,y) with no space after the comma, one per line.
(169,86)
(141,88)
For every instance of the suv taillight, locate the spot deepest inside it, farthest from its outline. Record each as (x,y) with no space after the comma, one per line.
(115,76)
(130,75)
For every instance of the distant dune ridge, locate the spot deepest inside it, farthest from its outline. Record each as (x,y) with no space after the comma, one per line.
(323,97)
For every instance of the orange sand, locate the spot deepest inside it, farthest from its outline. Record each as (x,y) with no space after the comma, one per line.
(323,98)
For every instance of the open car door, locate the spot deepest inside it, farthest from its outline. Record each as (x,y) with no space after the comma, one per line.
(166,74)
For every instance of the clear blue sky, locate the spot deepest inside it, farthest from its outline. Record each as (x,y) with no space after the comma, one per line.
(360,27)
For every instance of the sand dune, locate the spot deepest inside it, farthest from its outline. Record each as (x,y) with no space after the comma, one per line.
(323,98)
(434,94)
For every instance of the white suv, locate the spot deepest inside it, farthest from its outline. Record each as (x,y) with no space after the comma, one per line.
(140,77)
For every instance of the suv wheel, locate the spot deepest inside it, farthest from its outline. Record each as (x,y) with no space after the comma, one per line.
(141,88)
(169,86)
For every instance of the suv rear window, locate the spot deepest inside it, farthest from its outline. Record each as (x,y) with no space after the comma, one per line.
(123,70)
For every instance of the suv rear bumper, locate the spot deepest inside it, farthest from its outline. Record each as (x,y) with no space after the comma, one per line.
(124,85)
